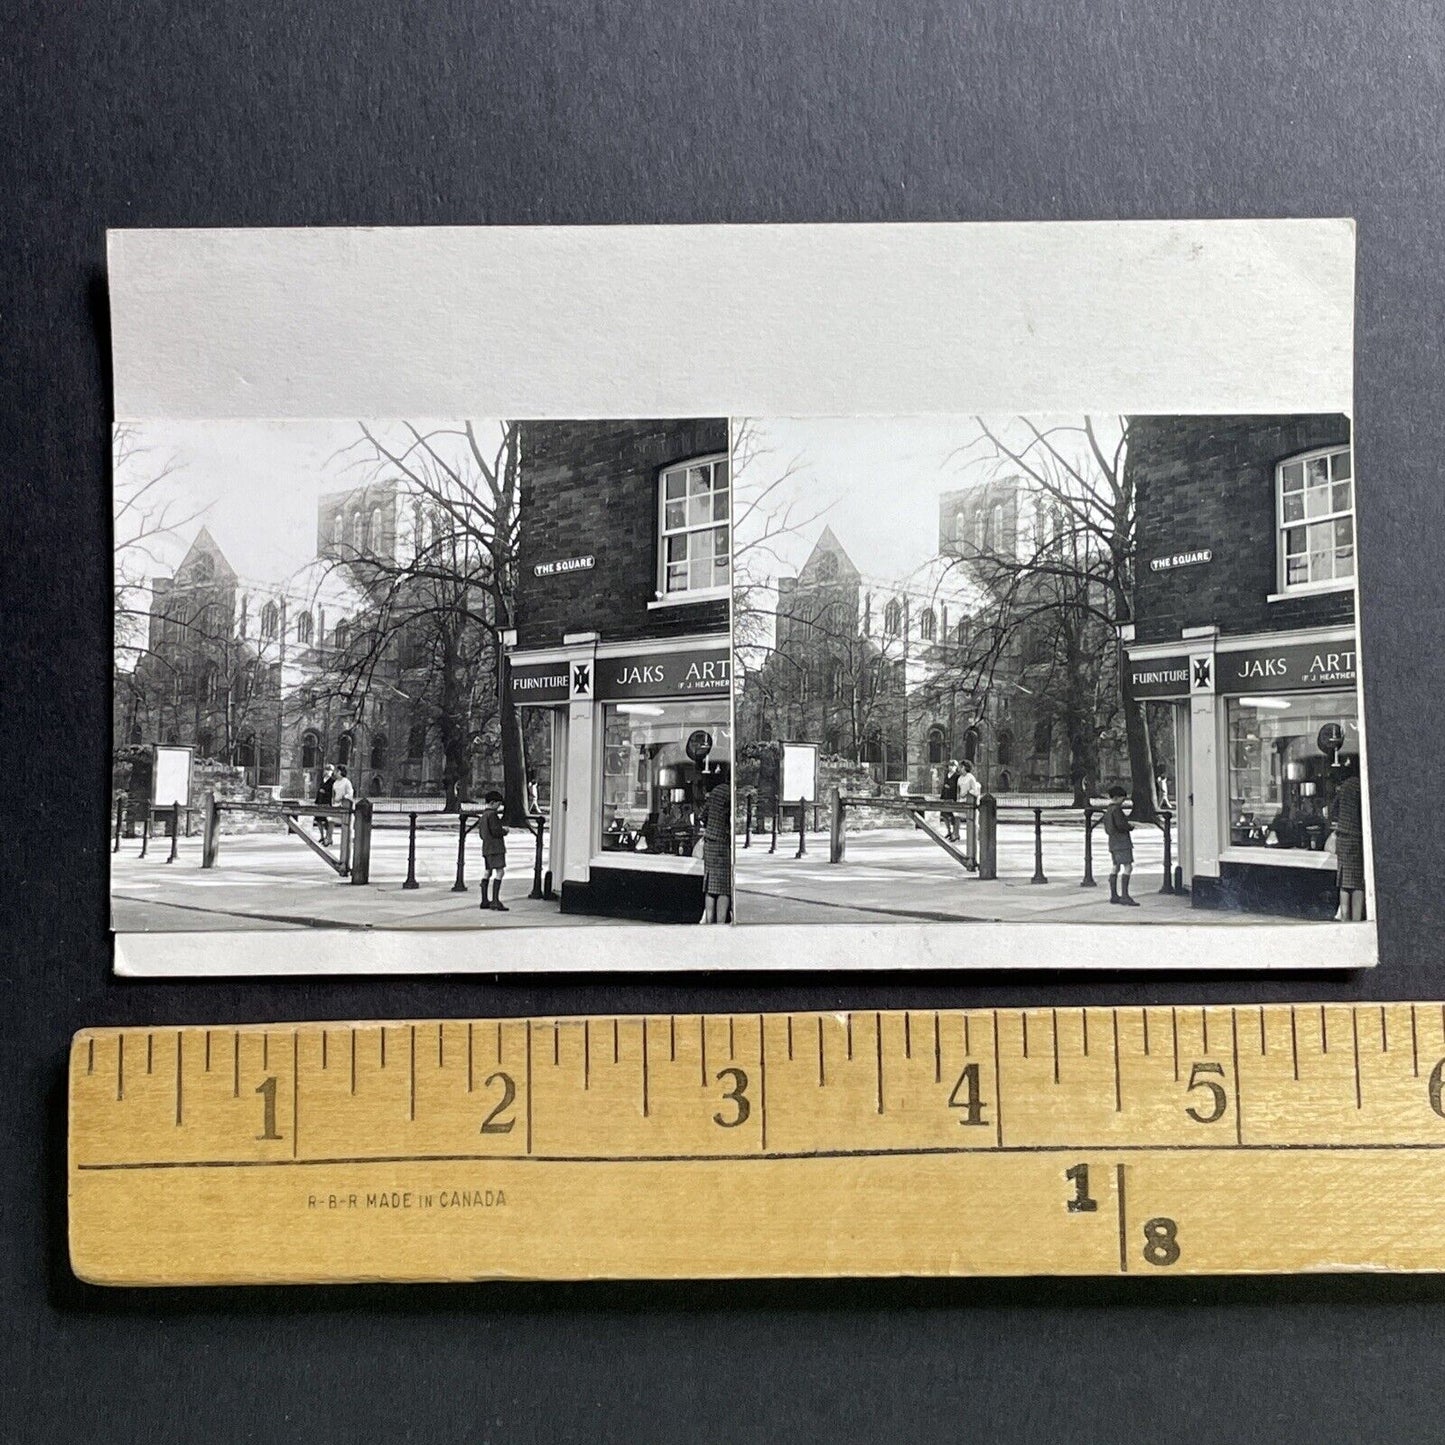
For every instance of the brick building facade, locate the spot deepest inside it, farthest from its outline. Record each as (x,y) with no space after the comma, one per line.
(622,637)
(1245,628)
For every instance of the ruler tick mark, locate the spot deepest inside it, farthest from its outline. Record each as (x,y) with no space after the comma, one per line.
(822,1073)
(295,1093)
(179,1044)
(997,1085)
(1263,1041)
(1355,1041)
(850,1036)
(586,1053)
(265,1050)
(1294,1043)
(616,1041)
(323,1049)
(732,1045)
(967,1045)
(236,1064)
(1123,1220)
(208,1050)
(1024,1023)
(353,1064)
(556,1043)
(499,1041)
(937,1049)
(1084,1024)
(90,1056)
(702,1048)
(644,1068)
(150,1051)
(672,1038)
(1054,1020)
(529,1085)
(441,1046)
(1118,1081)
(763,1079)
(1324,1032)
(907,1035)
(790,1038)
(120,1067)
(1174,1029)
(1414,1044)
(1144,1019)
(1204,1027)
(411,1079)
(878,1040)
(382,1045)
(470,1052)
(1238,1098)
(1384,1034)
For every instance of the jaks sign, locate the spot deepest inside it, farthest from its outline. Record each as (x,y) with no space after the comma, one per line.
(704,673)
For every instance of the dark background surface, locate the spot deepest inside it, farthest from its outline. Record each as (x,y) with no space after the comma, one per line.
(275,112)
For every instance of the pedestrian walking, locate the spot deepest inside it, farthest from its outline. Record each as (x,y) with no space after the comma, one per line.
(1347,815)
(1117,829)
(325,798)
(717,849)
(494,852)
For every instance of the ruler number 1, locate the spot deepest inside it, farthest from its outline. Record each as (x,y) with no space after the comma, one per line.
(267,1090)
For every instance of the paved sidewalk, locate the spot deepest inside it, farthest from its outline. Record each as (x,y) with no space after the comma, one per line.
(901,874)
(270,880)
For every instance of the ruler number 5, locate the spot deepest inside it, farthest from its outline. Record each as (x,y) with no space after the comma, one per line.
(1200,1078)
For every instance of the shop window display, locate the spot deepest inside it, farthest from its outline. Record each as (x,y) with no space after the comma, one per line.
(1283,766)
(656,760)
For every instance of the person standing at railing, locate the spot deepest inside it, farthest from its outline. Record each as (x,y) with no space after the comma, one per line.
(494,852)
(948,791)
(325,797)
(1117,829)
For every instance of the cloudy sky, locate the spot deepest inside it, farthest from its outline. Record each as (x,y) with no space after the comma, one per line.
(253,484)
(875,481)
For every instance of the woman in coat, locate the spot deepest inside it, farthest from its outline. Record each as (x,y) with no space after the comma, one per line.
(717,850)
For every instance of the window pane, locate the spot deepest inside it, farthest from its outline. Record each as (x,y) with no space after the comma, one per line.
(1293,475)
(676,516)
(1344,533)
(720,473)
(720,506)
(699,511)
(1294,506)
(1294,540)
(1344,561)
(677,549)
(1297,571)
(1341,500)
(675,483)
(700,573)
(699,481)
(1340,465)
(720,542)
(1318,471)
(677,578)
(1317,501)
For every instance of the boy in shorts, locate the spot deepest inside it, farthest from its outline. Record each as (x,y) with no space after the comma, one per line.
(494,852)
(1117,828)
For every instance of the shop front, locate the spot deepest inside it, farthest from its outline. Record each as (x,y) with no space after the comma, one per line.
(1264,726)
(640,731)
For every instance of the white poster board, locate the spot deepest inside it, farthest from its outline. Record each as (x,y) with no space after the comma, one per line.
(800,773)
(171,778)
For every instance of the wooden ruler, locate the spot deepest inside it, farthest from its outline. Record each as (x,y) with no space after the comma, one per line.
(1042,1141)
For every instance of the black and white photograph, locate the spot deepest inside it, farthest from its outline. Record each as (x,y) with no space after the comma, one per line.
(397,674)
(1054,669)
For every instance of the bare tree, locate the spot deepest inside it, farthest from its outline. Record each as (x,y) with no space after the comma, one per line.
(437,612)
(1067,574)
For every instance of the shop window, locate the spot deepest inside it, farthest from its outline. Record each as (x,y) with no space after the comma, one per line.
(304,628)
(1282,773)
(657,760)
(1316,511)
(928,625)
(694,547)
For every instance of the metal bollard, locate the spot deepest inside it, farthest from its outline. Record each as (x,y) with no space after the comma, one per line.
(119,819)
(837,838)
(1038,847)
(1168,886)
(748,826)
(547,892)
(460,886)
(537,889)
(360,842)
(1087,881)
(210,830)
(802,828)
(145,830)
(175,831)
(988,836)
(970,832)
(773,846)
(411,854)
